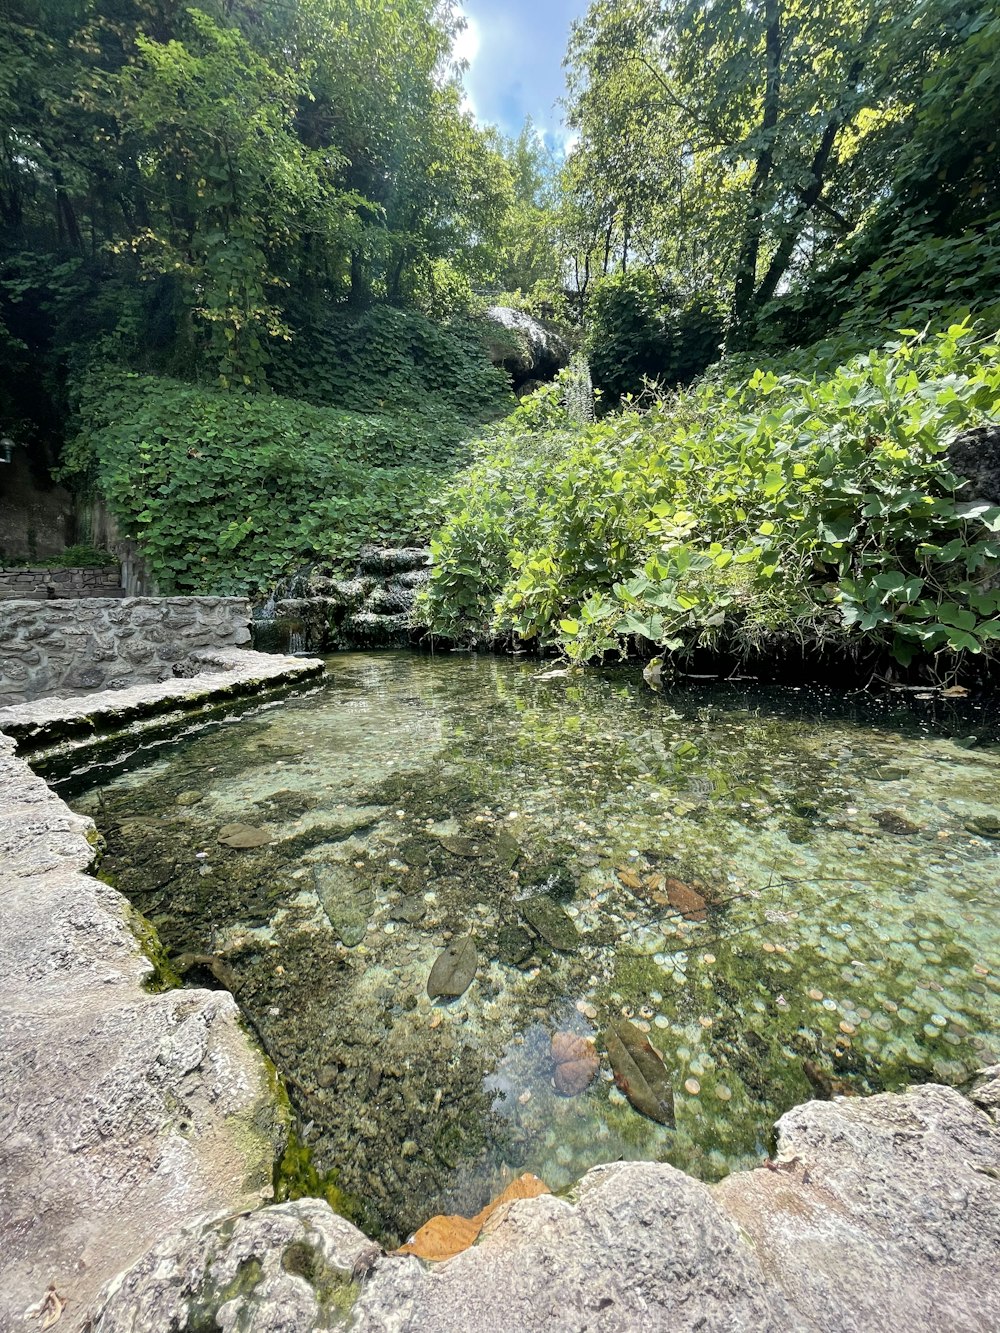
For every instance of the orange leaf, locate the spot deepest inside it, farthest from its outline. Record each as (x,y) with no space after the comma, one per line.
(445,1236)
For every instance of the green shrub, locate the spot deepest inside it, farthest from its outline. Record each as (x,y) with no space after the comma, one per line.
(224,492)
(778,509)
(387,360)
(638,332)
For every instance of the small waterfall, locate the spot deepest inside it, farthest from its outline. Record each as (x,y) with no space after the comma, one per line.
(296,643)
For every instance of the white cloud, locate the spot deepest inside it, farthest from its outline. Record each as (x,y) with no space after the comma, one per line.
(468,41)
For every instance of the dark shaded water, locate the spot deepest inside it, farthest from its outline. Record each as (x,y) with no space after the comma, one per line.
(841,847)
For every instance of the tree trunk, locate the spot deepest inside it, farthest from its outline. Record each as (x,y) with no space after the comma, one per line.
(740,319)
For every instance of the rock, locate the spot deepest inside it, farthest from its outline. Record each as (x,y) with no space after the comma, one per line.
(125,1114)
(527,348)
(458,845)
(514,945)
(986,1091)
(507,849)
(889,821)
(243,836)
(347,903)
(984,827)
(189,798)
(410,910)
(285,1269)
(883,1213)
(686,900)
(640,1072)
(575,1061)
(454,969)
(975,455)
(550,921)
(643,1247)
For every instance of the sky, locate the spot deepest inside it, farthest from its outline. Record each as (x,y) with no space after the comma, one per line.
(515,50)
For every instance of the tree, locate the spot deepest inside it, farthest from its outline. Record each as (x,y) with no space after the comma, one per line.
(738,144)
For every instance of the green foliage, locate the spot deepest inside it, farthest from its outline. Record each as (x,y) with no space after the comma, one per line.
(749,147)
(639,332)
(384,359)
(225,492)
(780,509)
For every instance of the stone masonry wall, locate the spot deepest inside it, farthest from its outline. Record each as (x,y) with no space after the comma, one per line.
(42,584)
(76,646)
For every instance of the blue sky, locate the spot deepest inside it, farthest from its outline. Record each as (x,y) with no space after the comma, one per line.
(515,49)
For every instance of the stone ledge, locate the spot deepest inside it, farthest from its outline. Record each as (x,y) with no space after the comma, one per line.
(877,1213)
(125,1114)
(227,674)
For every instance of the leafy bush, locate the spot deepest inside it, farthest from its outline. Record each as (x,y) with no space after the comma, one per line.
(386,360)
(915,277)
(780,509)
(640,332)
(225,491)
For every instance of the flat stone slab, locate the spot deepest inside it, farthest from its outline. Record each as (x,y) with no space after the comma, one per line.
(227,674)
(124,1114)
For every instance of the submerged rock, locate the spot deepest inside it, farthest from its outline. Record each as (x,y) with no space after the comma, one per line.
(514,945)
(984,827)
(550,921)
(458,845)
(640,1072)
(889,821)
(454,969)
(347,903)
(410,910)
(243,836)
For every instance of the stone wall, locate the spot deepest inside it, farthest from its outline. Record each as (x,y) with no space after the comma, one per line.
(42,584)
(76,646)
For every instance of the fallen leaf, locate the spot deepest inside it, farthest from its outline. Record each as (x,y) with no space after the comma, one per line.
(685,900)
(640,1072)
(454,969)
(442,1238)
(955,692)
(575,1061)
(445,1236)
(629,878)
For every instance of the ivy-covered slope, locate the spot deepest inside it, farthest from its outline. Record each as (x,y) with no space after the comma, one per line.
(787,509)
(225,492)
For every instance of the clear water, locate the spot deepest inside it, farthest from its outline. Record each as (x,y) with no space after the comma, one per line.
(850,942)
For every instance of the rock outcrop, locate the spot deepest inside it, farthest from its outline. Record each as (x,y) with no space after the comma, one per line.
(975,455)
(876,1213)
(527,348)
(372,609)
(290,1267)
(124,1114)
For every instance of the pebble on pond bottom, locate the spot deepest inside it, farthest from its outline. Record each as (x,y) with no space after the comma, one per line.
(692,1086)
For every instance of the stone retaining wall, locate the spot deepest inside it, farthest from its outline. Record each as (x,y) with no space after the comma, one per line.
(72,646)
(41,584)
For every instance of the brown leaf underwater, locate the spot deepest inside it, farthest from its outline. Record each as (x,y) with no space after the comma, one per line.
(576,1062)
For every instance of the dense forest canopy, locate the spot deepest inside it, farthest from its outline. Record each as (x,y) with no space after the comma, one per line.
(196,183)
(293,205)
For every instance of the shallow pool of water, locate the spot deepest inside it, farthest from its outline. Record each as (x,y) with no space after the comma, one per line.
(842,937)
